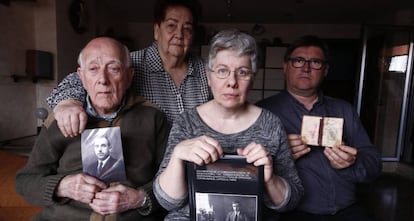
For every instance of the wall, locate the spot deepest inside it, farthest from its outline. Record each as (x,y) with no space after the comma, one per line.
(143,35)
(18,99)
(69,42)
(44,25)
(40,25)
(45,40)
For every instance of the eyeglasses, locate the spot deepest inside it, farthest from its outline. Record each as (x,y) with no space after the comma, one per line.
(314,63)
(241,73)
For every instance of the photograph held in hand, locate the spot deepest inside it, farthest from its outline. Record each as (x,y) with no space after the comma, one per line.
(322,131)
(215,188)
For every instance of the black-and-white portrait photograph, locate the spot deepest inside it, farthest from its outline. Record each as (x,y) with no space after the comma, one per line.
(102,154)
(225,207)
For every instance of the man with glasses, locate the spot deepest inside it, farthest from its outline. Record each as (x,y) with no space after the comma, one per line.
(329,174)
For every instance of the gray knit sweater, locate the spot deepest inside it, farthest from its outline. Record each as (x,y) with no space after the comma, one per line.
(267,130)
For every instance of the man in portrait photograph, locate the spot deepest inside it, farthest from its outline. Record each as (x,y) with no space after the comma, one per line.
(103,163)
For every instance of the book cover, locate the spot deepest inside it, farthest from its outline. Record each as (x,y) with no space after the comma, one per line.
(322,131)
(102,155)
(220,190)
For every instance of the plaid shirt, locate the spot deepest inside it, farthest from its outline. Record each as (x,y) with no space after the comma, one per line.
(152,82)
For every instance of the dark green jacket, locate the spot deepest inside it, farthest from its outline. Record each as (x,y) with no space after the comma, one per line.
(144,133)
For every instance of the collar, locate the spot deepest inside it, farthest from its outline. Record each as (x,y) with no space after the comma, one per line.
(319,100)
(104,161)
(91,111)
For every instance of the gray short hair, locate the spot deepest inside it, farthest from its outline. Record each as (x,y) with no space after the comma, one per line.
(234,40)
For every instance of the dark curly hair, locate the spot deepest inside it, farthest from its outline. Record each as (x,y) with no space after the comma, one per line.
(161,7)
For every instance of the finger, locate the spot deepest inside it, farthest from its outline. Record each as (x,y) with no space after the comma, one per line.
(350,150)
(86,197)
(83,118)
(93,182)
(255,152)
(299,148)
(294,137)
(202,155)
(211,147)
(329,154)
(120,188)
(62,127)
(335,159)
(105,195)
(299,153)
(68,126)
(197,155)
(74,124)
(108,201)
(99,206)
(245,151)
(345,156)
(217,151)
(294,143)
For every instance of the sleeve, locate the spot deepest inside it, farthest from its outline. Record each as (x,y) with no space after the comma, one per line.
(177,134)
(162,131)
(69,88)
(368,164)
(284,166)
(150,204)
(38,180)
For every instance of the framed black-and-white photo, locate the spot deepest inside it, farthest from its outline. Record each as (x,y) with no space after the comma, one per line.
(227,189)
(102,155)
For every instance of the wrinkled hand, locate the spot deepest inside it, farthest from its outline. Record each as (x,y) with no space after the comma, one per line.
(71,117)
(117,199)
(341,157)
(258,155)
(297,146)
(200,150)
(80,187)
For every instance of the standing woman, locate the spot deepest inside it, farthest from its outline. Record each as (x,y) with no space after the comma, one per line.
(228,124)
(165,72)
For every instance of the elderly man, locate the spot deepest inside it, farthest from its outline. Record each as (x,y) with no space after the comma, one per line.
(53,176)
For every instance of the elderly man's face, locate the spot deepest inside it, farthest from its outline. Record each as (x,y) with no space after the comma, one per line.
(104,74)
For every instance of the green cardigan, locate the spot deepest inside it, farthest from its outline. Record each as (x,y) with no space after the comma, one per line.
(144,133)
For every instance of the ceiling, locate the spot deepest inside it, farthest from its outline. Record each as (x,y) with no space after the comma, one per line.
(273,11)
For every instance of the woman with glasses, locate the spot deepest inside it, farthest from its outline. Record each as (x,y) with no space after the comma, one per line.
(228,124)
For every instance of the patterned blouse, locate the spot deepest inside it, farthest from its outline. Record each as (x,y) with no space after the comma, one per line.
(152,82)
